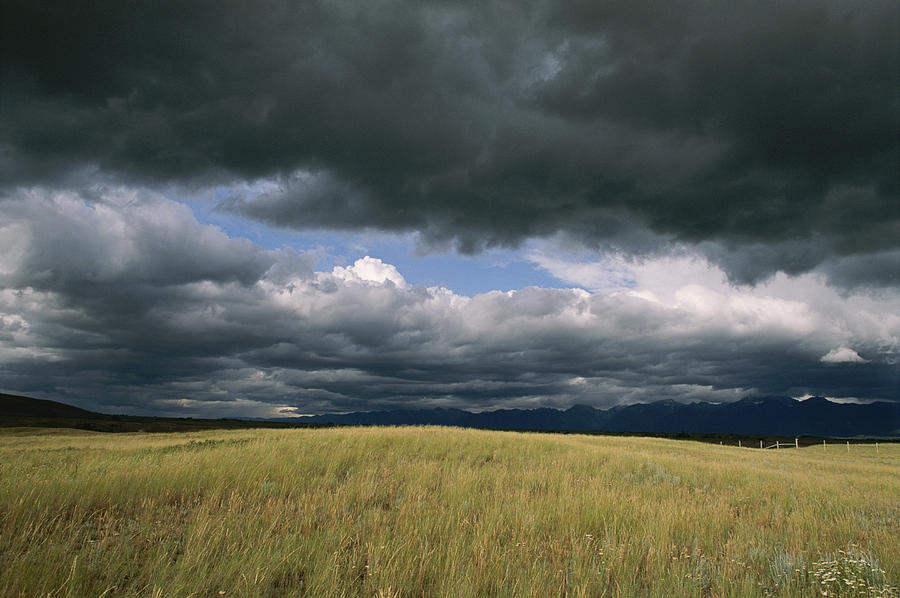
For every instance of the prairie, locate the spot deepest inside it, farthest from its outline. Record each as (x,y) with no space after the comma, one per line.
(426,511)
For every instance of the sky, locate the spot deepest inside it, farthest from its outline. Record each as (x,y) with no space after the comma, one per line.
(261,208)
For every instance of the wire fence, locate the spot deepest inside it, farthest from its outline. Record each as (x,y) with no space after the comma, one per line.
(778,444)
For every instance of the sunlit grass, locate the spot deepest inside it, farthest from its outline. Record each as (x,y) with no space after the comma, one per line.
(441,512)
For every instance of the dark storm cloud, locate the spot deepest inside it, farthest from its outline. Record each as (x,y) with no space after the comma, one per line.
(766,133)
(124,302)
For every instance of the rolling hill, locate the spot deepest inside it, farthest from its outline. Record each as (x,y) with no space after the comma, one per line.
(18,411)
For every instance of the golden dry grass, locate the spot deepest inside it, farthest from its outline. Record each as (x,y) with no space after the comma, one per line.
(440,512)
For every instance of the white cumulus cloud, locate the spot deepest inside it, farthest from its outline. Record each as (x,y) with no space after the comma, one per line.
(842,355)
(370,269)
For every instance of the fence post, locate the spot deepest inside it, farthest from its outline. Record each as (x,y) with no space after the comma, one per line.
(823,444)
(796,443)
(739,444)
(777,444)
(760,444)
(848,446)
(876,448)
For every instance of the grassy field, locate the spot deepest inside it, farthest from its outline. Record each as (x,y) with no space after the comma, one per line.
(385,512)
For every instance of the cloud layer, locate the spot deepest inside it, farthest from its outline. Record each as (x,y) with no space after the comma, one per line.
(121,301)
(760,134)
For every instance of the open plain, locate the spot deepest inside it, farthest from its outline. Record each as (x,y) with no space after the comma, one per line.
(427,511)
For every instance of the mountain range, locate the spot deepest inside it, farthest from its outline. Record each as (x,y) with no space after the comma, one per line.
(764,416)
(776,416)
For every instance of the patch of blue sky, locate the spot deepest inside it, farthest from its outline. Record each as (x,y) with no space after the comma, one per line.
(497,269)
